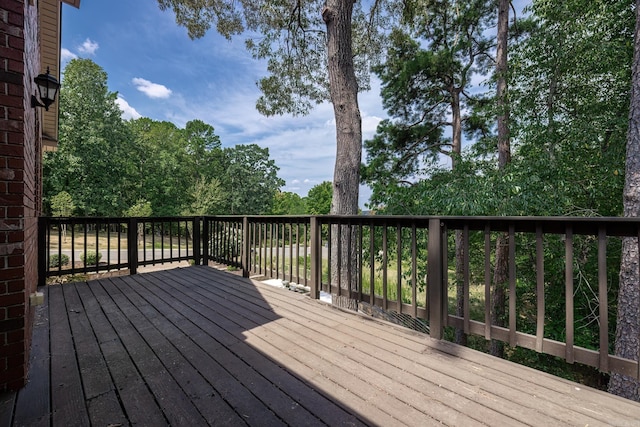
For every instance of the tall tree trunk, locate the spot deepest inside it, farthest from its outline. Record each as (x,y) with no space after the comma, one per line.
(456,151)
(343,89)
(501,273)
(628,319)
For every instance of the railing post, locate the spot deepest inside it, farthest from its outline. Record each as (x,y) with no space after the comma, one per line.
(197,247)
(43,226)
(205,241)
(316,256)
(435,292)
(132,245)
(246,247)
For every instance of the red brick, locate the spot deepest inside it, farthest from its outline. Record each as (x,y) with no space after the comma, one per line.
(14,212)
(16,188)
(15,137)
(16,43)
(12,101)
(15,336)
(12,349)
(15,113)
(14,7)
(17,165)
(16,19)
(11,225)
(16,236)
(15,312)
(11,200)
(11,29)
(16,66)
(15,90)
(8,274)
(15,286)
(11,125)
(11,53)
(15,261)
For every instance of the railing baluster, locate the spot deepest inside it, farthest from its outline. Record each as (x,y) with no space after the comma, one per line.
(602,299)
(466,306)
(487,282)
(316,256)
(306,267)
(385,260)
(372,265)
(539,290)
(414,273)
(569,322)
(329,256)
(60,247)
(512,286)
(435,279)
(132,245)
(399,268)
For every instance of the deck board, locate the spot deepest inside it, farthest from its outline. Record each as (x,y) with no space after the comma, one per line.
(197,346)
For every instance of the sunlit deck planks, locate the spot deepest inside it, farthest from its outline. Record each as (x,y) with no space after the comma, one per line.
(196,346)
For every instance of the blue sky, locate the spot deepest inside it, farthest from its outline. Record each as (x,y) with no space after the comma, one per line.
(160,73)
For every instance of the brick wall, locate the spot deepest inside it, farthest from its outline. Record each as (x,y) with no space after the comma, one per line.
(20,144)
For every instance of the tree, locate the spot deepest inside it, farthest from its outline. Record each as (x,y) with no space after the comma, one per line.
(628,318)
(161,168)
(426,84)
(319,199)
(141,209)
(62,205)
(203,148)
(207,197)
(94,142)
(501,271)
(317,50)
(250,180)
(568,92)
(286,203)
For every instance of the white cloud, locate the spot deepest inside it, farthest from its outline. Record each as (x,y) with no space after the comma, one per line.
(66,55)
(128,112)
(89,47)
(152,90)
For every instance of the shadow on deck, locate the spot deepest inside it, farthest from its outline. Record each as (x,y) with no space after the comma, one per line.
(197,346)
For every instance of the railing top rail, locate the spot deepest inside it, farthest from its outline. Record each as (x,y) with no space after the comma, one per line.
(614,226)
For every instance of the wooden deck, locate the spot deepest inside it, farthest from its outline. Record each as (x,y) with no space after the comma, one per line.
(196,346)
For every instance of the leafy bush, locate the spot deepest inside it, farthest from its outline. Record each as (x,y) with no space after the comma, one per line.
(91,258)
(56,261)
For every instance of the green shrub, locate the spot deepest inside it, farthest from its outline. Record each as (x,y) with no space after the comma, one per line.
(91,258)
(56,261)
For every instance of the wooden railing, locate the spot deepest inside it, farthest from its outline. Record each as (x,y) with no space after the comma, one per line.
(432,273)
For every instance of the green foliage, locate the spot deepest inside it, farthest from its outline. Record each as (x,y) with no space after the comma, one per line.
(286,203)
(292,38)
(91,258)
(142,208)
(207,197)
(62,204)
(250,179)
(108,167)
(94,142)
(319,199)
(426,88)
(56,261)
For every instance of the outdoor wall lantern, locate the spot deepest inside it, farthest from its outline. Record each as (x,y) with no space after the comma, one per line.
(47,90)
